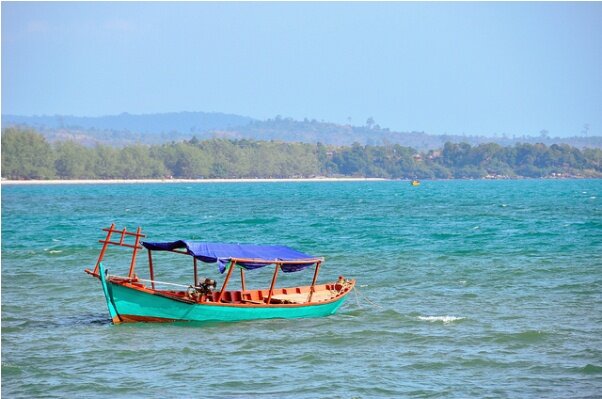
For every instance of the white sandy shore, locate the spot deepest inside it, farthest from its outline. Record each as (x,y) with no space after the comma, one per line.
(138,181)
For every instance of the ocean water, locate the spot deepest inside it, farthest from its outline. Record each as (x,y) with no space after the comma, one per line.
(485,289)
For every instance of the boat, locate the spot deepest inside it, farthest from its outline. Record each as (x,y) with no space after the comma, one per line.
(415,182)
(131,298)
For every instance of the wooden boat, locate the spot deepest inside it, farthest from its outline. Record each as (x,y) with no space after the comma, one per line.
(133,299)
(415,183)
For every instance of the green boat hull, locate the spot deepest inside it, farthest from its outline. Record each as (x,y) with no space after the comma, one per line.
(129,304)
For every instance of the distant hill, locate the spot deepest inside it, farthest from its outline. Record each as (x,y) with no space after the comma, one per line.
(125,129)
(306,131)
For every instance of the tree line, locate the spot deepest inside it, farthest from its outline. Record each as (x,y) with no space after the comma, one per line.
(26,154)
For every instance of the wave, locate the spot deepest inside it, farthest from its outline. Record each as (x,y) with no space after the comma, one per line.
(444,319)
(591,369)
(254,221)
(528,336)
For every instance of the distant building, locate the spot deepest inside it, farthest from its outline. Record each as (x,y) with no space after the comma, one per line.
(434,154)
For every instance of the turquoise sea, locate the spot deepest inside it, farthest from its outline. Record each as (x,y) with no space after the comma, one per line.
(466,289)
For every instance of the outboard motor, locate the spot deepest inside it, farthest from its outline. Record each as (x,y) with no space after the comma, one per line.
(202,291)
(206,287)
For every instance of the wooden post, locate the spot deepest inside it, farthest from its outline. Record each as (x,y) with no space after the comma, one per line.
(136,246)
(219,296)
(196,276)
(312,289)
(104,247)
(150,269)
(242,280)
(273,282)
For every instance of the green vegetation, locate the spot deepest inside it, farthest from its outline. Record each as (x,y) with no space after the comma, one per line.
(27,155)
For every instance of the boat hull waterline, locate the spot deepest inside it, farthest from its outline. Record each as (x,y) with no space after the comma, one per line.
(129,304)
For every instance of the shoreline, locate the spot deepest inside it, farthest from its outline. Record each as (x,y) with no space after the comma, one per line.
(189,181)
(257,180)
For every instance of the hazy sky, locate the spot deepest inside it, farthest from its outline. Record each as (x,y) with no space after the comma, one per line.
(472,68)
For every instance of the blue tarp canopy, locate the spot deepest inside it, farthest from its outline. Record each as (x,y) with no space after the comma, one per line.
(261,255)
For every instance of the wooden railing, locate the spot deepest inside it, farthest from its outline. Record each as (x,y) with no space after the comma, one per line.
(121,242)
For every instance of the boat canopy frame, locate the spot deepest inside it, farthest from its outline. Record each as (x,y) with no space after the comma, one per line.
(298,262)
(249,256)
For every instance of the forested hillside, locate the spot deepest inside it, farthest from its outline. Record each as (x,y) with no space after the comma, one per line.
(26,154)
(125,129)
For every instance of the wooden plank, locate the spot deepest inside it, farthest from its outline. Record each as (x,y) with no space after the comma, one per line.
(113,230)
(119,245)
(219,295)
(273,283)
(281,262)
(104,247)
(196,276)
(242,279)
(136,247)
(312,289)
(150,269)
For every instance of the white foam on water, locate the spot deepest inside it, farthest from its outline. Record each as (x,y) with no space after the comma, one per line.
(444,319)
(55,251)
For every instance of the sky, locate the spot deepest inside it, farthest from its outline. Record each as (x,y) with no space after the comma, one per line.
(470,68)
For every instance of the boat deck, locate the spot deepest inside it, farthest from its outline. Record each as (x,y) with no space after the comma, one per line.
(290,295)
